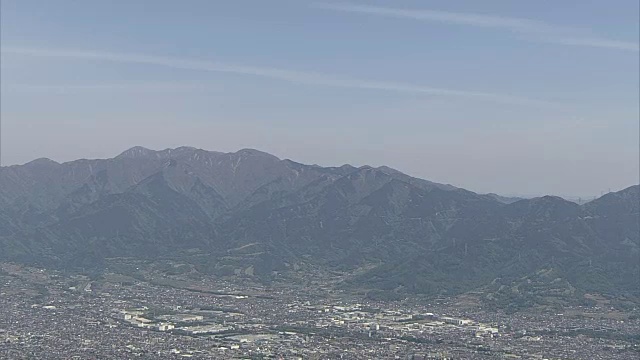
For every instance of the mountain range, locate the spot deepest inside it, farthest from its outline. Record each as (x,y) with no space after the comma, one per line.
(395,234)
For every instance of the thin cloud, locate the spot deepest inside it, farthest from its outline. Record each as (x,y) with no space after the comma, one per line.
(532,29)
(596,42)
(309,78)
(129,87)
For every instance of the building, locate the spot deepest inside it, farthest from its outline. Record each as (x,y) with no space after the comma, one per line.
(164,326)
(454,321)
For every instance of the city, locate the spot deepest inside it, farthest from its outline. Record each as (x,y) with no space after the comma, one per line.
(57,316)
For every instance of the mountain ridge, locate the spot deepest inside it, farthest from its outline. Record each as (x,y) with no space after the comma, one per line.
(413,235)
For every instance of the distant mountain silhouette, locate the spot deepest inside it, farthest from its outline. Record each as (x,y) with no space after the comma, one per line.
(402,234)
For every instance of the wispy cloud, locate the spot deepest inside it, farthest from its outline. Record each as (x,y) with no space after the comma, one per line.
(108,87)
(309,78)
(596,42)
(531,29)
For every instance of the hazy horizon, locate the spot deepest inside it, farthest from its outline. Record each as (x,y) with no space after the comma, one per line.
(524,194)
(502,97)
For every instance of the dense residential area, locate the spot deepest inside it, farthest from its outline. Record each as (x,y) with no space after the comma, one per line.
(53,315)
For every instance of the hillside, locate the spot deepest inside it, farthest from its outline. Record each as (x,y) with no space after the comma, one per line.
(396,234)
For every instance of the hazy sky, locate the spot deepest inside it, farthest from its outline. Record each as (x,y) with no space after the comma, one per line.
(526,97)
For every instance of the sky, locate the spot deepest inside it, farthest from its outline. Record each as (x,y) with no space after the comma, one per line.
(511,97)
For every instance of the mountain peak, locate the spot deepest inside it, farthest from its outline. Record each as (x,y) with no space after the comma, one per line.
(136,152)
(42,162)
(253,152)
(546,200)
(629,198)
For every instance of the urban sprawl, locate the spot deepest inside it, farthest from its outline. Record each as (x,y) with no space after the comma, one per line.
(53,315)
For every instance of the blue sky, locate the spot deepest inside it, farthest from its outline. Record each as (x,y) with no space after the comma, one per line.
(513,97)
